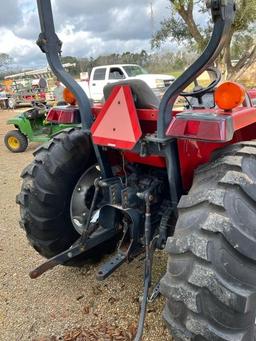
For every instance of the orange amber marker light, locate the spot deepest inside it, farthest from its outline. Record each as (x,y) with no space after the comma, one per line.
(229,95)
(69,97)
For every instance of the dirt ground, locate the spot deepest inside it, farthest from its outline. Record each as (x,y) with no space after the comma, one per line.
(64,301)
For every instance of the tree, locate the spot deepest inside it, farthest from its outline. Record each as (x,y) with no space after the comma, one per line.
(239,52)
(74,68)
(5,60)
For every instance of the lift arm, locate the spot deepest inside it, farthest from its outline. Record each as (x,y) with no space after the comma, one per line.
(223,13)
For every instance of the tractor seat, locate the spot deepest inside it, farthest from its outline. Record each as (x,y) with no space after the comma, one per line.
(144,97)
(32,114)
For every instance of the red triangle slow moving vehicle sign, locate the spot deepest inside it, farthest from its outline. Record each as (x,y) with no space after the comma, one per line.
(117,125)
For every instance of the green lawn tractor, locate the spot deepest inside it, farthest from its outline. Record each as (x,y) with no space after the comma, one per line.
(39,124)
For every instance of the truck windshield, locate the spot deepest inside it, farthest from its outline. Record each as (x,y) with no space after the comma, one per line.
(134,70)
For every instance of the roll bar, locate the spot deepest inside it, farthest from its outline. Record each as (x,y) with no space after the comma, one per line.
(223,13)
(50,44)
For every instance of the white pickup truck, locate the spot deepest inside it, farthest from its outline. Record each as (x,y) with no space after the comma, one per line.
(102,75)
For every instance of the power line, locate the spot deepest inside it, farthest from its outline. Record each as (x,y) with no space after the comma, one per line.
(152,17)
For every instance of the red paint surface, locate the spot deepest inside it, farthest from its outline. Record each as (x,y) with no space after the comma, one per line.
(33,97)
(192,153)
(153,160)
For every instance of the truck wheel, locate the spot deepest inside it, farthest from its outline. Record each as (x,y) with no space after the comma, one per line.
(15,141)
(48,183)
(210,284)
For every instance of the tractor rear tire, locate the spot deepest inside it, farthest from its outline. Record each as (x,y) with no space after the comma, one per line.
(48,183)
(15,141)
(210,284)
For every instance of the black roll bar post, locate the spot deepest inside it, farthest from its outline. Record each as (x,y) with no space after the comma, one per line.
(223,13)
(50,44)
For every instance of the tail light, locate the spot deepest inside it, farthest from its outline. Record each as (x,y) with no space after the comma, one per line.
(192,127)
(202,126)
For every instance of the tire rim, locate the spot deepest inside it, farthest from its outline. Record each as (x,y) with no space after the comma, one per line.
(82,198)
(13,142)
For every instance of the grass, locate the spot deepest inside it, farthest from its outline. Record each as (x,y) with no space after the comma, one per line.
(248,83)
(202,82)
(176,74)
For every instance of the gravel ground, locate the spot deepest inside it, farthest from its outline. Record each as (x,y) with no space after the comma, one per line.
(65,303)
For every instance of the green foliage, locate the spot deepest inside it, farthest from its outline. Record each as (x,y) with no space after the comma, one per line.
(182,26)
(167,62)
(86,64)
(245,16)
(124,58)
(5,60)
(241,42)
(74,69)
(173,28)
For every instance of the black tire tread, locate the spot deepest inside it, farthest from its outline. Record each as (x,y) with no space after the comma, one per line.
(22,139)
(46,190)
(211,273)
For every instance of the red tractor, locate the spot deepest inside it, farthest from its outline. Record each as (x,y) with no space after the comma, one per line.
(140,176)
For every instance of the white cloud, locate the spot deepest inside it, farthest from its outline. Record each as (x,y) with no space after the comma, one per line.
(87,28)
(12,44)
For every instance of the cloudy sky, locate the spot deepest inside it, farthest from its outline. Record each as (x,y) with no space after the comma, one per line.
(86,27)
